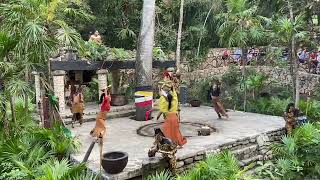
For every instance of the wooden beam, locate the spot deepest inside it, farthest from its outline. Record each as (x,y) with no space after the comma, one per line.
(96,65)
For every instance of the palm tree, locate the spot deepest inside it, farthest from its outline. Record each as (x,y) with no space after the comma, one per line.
(39,29)
(215,6)
(6,67)
(288,31)
(240,26)
(144,53)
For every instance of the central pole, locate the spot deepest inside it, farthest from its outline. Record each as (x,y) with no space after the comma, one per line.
(143,91)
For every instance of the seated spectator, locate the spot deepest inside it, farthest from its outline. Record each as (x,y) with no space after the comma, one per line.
(285,54)
(302,54)
(237,54)
(313,62)
(250,55)
(226,54)
(318,60)
(256,52)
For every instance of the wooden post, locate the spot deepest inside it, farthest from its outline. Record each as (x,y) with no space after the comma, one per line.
(46,113)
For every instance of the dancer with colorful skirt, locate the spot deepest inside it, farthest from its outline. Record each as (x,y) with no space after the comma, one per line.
(169,107)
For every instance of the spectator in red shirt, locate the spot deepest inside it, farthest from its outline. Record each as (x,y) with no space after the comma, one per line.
(226,54)
(313,61)
(168,73)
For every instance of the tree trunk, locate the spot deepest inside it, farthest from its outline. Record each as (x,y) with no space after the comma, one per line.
(204,25)
(26,98)
(5,119)
(144,61)
(178,51)
(292,71)
(254,94)
(13,112)
(294,62)
(244,62)
(6,124)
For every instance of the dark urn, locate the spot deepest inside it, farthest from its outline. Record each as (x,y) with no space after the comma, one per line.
(114,162)
(195,103)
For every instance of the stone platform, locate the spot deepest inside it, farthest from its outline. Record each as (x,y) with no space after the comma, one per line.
(243,133)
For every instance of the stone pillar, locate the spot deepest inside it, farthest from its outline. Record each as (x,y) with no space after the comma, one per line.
(58,86)
(102,78)
(37,86)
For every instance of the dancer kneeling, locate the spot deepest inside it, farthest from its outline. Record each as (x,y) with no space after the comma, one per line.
(171,128)
(290,117)
(166,147)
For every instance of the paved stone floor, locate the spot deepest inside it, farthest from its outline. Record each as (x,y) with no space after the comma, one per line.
(122,135)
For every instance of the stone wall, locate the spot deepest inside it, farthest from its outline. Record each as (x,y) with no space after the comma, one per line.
(214,59)
(308,82)
(247,150)
(130,77)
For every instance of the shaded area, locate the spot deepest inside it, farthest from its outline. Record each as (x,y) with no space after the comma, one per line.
(96,65)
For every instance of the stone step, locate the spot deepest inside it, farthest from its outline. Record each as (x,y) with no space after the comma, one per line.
(254,160)
(250,172)
(237,145)
(113,109)
(111,115)
(246,152)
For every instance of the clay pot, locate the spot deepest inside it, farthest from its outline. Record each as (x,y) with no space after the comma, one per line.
(195,103)
(114,162)
(118,100)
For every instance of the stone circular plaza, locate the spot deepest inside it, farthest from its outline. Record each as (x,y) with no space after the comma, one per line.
(188,129)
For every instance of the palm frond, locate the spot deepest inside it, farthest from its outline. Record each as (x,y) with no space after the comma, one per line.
(19,88)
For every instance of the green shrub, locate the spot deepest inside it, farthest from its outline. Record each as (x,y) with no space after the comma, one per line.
(261,105)
(296,157)
(199,89)
(223,165)
(278,90)
(311,109)
(278,106)
(232,76)
(271,106)
(91,92)
(56,141)
(164,175)
(31,152)
(231,96)
(255,83)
